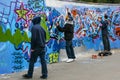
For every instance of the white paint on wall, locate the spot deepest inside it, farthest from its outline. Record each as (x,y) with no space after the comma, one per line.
(57,3)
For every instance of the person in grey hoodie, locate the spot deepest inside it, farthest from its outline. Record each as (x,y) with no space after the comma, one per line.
(38,40)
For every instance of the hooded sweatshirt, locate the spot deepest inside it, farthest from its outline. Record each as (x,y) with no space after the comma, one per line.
(38,37)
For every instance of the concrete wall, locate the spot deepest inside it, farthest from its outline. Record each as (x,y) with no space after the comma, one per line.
(86,29)
(15,25)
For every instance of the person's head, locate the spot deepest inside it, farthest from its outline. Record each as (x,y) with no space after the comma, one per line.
(106,16)
(36,20)
(99,18)
(69,18)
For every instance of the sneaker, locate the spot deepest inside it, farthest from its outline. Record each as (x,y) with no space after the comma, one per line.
(43,77)
(70,60)
(26,76)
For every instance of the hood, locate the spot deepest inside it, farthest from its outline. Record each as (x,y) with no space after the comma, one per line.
(36,20)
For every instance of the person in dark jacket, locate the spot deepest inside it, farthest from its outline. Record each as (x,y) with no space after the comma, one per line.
(68,30)
(104,29)
(38,40)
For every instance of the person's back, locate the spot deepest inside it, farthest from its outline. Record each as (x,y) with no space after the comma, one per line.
(69,31)
(38,36)
(38,39)
(104,27)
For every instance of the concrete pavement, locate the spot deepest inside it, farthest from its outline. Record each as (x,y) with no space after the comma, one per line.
(84,68)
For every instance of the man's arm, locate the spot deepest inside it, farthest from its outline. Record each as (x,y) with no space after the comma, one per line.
(33,38)
(59,28)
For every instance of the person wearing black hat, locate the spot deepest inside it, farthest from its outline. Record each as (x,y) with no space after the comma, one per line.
(38,40)
(68,30)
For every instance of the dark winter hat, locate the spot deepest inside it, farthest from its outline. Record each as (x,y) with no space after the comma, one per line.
(70,17)
(106,16)
(36,20)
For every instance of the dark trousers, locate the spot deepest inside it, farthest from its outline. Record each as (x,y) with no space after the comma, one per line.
(33,59)
(106,43)
(69,50)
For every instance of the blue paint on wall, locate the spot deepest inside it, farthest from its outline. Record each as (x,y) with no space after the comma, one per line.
(15,30)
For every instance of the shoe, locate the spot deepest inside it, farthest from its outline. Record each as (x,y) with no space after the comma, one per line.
(26,76)
(70,60)
(43,77)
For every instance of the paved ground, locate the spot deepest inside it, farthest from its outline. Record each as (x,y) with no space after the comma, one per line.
(84,68)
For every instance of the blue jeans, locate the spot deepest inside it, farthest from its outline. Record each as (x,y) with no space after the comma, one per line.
(34,55)
(70,50)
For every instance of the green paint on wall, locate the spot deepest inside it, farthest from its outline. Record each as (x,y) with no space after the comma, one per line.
(15,39)
(43,24)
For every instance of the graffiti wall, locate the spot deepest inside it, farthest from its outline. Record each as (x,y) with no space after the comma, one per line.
(87,31)
(15,27)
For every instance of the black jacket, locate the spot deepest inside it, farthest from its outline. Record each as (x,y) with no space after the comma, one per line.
(104,27)
(68,30)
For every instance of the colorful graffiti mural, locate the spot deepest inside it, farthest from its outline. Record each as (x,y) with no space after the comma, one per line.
(15,26)
(87,30)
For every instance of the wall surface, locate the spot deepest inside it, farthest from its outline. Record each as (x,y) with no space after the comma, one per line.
(87,28)
(15,26)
